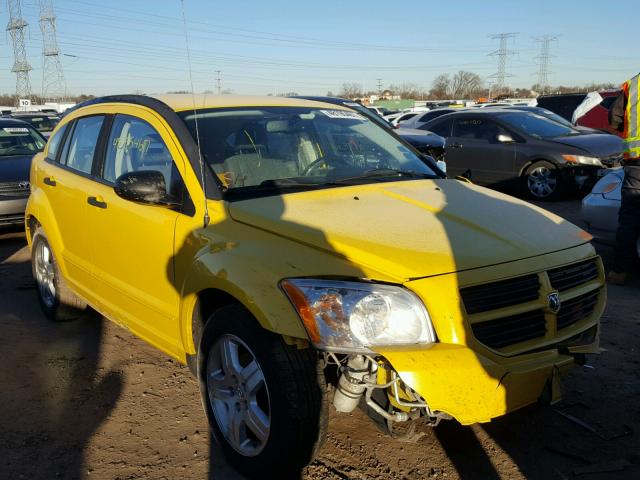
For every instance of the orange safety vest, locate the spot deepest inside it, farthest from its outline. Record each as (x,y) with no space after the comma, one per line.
(631,134)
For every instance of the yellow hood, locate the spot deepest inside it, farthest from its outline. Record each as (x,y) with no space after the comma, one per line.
(413,229)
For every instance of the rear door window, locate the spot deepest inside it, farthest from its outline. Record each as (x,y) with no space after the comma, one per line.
(80,149)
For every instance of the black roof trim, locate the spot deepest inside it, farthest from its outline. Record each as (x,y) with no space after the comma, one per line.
(213,185)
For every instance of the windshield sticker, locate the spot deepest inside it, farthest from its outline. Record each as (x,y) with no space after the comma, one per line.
(16,130)
(344,114)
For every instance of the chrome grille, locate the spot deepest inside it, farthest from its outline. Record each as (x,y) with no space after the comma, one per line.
(15,189)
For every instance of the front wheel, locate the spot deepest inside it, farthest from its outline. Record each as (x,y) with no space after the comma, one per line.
(543,181)
(265,400)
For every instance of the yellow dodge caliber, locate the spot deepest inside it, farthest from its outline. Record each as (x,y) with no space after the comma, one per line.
(294,254)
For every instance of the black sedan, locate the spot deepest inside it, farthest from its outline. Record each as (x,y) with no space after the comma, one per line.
(499,146)
(19,142)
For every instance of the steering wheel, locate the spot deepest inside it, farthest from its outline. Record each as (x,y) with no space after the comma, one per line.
(313,166)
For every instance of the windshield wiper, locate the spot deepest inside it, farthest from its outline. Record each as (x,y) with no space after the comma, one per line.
(383,173)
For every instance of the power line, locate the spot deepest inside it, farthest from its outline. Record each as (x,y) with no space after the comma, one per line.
(543,60)
(502,53)
(53,83)
(21,67)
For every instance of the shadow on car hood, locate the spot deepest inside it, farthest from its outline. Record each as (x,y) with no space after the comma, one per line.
(413,229)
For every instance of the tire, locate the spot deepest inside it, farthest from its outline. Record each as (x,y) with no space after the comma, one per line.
(543,181)
(279,409)
(56,299)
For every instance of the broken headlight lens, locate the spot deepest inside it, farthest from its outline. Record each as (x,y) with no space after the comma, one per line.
(353,316)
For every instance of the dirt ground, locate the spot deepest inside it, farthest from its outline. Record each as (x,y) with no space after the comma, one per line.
(86,399)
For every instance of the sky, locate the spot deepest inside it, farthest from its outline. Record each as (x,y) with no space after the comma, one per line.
(277,46)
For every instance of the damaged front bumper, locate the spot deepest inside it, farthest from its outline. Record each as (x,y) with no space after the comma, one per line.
(471,388)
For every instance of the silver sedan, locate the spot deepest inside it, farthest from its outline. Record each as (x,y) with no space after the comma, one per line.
(600,207)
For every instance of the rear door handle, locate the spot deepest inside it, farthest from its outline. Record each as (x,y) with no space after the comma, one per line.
(97,202)
(49,181)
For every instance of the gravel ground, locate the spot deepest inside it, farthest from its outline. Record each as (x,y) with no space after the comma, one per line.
(86,399)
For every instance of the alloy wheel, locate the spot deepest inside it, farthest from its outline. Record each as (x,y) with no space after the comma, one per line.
(238,395)
(542,182)
(45,274)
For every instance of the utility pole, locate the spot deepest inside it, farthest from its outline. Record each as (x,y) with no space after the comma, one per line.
(219,81)
(54,86)
(21,67)
(502,53)
(544,60)
(379,80)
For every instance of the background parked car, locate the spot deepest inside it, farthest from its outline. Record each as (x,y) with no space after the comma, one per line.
(495,146)
(420,119)
(19,142)
(563,104)
(598,117)
(425,142)
(398,118)
(600,207)
(44,122)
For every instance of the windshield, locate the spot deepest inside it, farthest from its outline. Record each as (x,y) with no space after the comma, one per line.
(537,125)
(275,148)
(20,141)
(42,123)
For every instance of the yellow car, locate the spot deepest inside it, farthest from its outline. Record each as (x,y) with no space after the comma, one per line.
(277,245)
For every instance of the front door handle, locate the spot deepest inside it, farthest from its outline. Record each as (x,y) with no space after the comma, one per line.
(455,145)
(97,202)
(49,181)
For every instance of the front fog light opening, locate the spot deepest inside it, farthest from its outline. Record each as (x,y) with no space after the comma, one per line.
(358,378)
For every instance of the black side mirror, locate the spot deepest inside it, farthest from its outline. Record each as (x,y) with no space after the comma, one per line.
(145,186)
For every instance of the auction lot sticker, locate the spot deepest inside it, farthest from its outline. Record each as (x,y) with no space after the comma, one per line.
(344,114)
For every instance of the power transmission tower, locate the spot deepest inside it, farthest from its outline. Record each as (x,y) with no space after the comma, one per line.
(21,67)
(54,86)
(544,59)
(502,53)
(379,80)
(219,81)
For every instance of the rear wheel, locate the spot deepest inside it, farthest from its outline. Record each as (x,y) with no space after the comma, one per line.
(543,181)
(265,400)
(58,302)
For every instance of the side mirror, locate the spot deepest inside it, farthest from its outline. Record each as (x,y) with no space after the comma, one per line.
(145,186)
(442,165)
(504,138)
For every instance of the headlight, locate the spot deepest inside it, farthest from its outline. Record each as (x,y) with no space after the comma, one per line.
(582,160)
(353,316)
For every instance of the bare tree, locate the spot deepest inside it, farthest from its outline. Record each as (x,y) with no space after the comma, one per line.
(465,84)
(351,90)
(440,87)
(407,90)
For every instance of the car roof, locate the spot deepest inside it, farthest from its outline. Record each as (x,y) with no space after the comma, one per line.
(181,102)
(12,122)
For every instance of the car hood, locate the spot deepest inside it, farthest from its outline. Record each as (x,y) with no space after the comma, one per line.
(415,228)
(15,168)
(600,145)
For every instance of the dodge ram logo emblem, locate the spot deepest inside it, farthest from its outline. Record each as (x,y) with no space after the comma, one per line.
(554,302)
